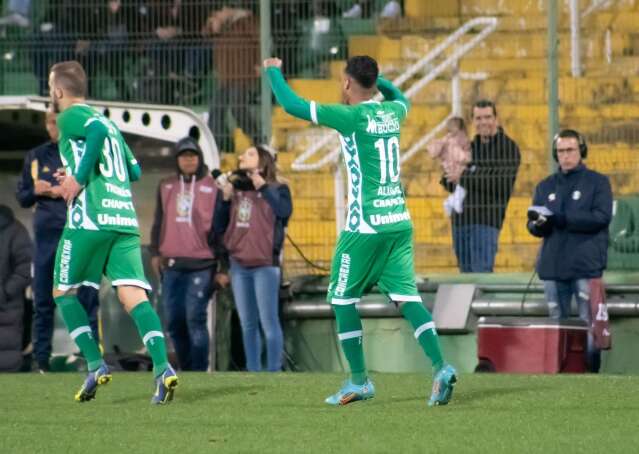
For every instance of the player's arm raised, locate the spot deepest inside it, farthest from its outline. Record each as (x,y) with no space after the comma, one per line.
(288,99)
(336,116)
(394,94)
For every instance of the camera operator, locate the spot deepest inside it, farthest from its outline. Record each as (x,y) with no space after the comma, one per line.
(256,208)
(571,211)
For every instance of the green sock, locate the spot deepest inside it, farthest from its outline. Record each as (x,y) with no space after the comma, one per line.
(349,329)
(150,329)
(425,332)
(77,321)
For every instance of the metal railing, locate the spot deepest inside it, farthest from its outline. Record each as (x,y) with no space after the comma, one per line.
(490,24)
(451,62)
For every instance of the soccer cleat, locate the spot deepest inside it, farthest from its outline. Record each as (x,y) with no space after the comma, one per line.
(98,377)
(351,392)
(165,386)
(443,386)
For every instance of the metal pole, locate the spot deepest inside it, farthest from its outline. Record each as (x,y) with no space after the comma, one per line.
(553,75)
(575,38)
(456,93)
(265,52)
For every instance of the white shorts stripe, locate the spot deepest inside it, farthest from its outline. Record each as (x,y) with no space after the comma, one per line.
(314,112)
(425,327)
(404,298)
(65,287)
(150,335)
(133,282)
(80,330)
(344,302)
(401,104)
(349,335)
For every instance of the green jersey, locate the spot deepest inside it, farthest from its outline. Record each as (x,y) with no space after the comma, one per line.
(369,134)
(105,202)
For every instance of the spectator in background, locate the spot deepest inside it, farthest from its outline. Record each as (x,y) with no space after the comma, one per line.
(176,48)
(454,153)
(183,248)
(362,9)
(257,206)
(488,180)
(17,13)
(236,43)
(37,186)
(15,274)
(108,50)
(571,211)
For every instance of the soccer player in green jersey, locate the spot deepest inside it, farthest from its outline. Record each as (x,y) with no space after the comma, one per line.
(376,246)
(101,235)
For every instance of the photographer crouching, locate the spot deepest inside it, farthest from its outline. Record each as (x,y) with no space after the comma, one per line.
(572,209)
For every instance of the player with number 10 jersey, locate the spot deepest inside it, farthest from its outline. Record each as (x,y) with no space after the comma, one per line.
(376,246)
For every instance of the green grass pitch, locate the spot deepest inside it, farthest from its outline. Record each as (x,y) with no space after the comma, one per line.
(238,412)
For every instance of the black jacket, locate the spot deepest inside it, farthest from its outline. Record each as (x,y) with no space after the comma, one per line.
(50,214)
(488,180)
(575,242)
(15,275)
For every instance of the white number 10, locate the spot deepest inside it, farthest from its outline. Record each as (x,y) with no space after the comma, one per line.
(388,159)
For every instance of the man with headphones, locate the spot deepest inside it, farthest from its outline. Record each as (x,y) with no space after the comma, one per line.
(571,211)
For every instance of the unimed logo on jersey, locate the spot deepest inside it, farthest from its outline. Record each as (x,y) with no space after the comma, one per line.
(64,261)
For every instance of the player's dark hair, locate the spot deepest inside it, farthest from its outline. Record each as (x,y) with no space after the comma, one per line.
(70,76)
(363,69)
(482,103)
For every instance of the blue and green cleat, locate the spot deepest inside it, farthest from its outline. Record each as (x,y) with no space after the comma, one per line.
(100,376)
(443,384)
(351,392)
(165,386)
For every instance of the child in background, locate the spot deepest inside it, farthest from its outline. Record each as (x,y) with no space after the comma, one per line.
(453,150)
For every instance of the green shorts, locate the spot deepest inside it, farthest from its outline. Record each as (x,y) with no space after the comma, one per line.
(83,256)
(362,260)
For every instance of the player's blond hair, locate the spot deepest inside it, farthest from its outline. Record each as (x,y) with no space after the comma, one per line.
(70,76)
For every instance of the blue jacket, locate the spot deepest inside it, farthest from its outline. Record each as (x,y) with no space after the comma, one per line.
(50,214)
(575,239)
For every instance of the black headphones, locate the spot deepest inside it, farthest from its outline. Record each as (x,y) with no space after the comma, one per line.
(565,133)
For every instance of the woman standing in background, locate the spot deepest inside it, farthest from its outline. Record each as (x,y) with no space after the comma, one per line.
(256,208)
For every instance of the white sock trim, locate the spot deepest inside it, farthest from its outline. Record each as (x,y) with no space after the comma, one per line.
(405,298)
(65,287)
(349,335)
(425,327)
(79,330)
(150,335)
(344,301)
(131,282)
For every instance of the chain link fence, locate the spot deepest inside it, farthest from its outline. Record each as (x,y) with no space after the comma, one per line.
(205,55)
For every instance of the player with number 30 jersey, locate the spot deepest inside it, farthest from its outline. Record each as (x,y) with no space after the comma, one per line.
(101,235)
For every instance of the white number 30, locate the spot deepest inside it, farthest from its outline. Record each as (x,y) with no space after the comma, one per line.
(113,160)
